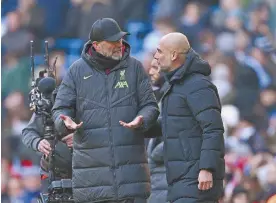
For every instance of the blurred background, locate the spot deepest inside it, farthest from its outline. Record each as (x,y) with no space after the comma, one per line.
(237,37)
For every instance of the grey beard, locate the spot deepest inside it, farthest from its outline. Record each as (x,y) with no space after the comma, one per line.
(112,57)
(116,58)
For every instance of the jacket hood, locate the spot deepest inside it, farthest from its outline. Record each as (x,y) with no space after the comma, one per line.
(193,64)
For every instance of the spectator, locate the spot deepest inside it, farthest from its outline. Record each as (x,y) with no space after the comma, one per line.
(86,12)
(15,190)
(30,182)
(240,195)
(17,39)
(161,27)
(191,23)
(32,17)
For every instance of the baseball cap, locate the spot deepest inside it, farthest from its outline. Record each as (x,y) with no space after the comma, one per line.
(106,29)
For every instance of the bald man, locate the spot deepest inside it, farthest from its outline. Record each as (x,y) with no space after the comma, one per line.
(191,124)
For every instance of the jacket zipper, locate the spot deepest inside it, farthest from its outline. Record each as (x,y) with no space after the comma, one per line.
(164,124)
(111,138)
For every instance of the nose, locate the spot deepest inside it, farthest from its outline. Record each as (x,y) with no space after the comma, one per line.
(151,71)
(155,55)
(120,42)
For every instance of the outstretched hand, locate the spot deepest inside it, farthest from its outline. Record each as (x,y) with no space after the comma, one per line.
(69,123)
(136,123)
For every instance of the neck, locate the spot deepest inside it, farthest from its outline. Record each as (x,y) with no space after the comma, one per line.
(105,62)
(176,65)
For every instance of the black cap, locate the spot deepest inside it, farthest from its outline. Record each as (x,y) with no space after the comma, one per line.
(106,29)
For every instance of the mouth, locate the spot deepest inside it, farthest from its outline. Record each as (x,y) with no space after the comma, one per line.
(118,51)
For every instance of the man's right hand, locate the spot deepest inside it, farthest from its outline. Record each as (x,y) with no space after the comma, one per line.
(68,140)
(69,123)
(44,147)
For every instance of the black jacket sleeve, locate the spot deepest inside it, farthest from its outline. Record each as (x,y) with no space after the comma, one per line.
(155,130)
(65,103)
(203,101)
(33,133)
(148,107)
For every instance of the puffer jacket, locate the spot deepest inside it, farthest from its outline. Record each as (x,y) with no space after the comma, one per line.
(193,132)
(159,186)
(109,160)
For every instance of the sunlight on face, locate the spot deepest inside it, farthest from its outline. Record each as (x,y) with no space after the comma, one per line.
(162,56)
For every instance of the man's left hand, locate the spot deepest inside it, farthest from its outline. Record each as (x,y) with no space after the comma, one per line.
(68,140)
(205,180)
(136,123)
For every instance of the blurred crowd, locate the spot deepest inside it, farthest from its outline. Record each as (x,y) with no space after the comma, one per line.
(237,37)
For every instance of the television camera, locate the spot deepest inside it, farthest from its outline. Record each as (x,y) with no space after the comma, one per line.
(41,96)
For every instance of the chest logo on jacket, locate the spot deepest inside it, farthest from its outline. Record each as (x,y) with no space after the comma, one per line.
(122,83)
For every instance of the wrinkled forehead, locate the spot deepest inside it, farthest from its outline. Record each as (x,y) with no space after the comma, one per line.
(163,46)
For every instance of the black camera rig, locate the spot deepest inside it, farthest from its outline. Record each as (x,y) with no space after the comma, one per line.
(41,99)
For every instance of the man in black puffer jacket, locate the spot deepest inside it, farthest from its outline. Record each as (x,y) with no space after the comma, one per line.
(108,93)
(191,124)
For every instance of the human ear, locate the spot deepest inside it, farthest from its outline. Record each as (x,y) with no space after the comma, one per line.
(173,55)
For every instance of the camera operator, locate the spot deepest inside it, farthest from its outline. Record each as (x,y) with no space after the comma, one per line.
(33,137)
